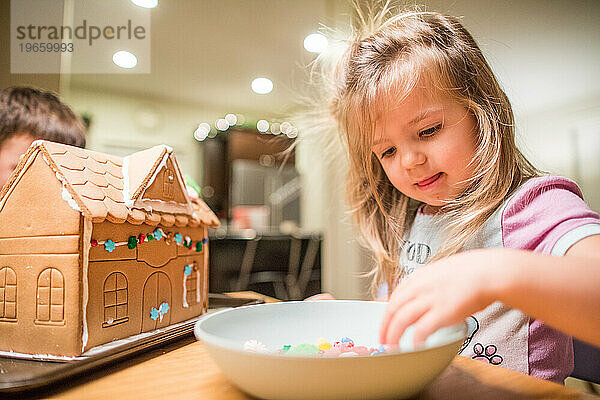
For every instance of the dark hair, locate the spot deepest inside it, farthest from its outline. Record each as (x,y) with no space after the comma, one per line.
(25,110)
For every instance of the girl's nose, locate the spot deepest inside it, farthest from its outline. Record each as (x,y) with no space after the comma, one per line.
(412,158)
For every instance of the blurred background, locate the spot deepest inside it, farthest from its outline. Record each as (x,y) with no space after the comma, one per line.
(287,216)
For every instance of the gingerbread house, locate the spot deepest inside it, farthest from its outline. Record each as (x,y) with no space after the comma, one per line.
(95,248)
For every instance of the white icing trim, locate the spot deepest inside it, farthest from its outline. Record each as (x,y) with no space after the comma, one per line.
(30,161)
(48,357)
(198,297)
(100,348)
(185,303)
(125,171)
(163,163)
(69,199)
(87,229)
(573,236)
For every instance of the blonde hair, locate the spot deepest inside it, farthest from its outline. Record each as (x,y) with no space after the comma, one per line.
(385,59)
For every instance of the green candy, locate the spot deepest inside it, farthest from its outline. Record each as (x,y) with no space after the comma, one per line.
(304,349)
(132,242)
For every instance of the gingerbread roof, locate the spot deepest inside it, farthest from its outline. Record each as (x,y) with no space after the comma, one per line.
(104,187)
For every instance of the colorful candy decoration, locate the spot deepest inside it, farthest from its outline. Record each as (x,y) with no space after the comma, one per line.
(160,312)
(109,245)
(132,242)
(158,234)
(343,348)
(254,346)
(187,270)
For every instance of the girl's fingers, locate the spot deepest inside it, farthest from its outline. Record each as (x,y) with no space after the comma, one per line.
(320,296)
(402,319)
(399,298)
(425,326)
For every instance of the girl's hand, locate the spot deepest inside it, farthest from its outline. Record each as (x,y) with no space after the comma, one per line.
(320,296)
(441,294)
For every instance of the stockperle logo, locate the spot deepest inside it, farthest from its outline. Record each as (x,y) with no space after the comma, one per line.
(79,36)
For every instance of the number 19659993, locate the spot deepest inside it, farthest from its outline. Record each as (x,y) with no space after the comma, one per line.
(28,47)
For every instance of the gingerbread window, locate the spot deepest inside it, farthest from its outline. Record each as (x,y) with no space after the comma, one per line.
(115,300)
(50,298)
(8,294)
(168,183)
(191,281)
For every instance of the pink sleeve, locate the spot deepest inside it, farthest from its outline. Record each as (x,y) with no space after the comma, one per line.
(548,215)
(544,211)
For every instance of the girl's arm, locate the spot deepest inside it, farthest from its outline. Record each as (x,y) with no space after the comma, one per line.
(564,291)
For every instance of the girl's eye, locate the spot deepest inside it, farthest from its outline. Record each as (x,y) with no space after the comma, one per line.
(431,131)
(389,152)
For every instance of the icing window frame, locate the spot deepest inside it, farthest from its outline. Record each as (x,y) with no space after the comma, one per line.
(8,295)
(168,183)
(114,299)
(50,297)
(191,282)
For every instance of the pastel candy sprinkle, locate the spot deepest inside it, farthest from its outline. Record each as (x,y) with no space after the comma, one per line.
(324,348)
(254,346)
(323,344)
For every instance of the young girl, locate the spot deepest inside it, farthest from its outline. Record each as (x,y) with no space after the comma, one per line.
(434,171)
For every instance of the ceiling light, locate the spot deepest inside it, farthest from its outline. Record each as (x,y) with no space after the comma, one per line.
(124,59)
(145,3)
(231,119)
(241,120)
(222,124)
(285,127)
(315,43)
(202,131)
(262,85)
(275,130)
(262,126)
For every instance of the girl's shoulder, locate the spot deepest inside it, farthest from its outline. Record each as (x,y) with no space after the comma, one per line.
(543,192)
(541,184)
(543,210)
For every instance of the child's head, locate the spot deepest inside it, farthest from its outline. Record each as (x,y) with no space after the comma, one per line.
(27,114)
(425,121)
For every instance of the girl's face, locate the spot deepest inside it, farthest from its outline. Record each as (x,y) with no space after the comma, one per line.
(425,147)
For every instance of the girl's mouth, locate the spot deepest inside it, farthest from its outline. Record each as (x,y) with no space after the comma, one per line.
(428,183)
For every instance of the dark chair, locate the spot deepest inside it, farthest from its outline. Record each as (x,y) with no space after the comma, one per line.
(265,266)
(587,362)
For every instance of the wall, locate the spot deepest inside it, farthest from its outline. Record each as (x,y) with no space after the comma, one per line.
(565,140)
(124,123)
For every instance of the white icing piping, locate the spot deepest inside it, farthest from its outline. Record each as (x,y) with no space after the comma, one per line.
(185,303)
(197,284)
(69,199)
(87,229)
(126,195)
(49,357)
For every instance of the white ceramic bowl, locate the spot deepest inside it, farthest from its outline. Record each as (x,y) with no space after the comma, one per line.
(275,376)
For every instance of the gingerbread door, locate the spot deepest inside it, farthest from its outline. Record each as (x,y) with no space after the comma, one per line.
(156,306)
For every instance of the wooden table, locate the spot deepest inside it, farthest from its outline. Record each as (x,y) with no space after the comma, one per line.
(184,370)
